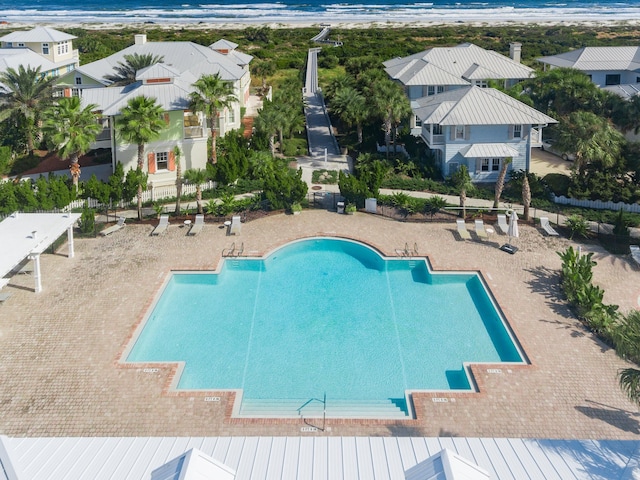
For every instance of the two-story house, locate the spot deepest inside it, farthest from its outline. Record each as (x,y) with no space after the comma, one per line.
(170,83)
(605,66)
(479,128)
(43,47)
(441,69)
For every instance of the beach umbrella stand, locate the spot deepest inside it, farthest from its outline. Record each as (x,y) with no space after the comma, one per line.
(512,232)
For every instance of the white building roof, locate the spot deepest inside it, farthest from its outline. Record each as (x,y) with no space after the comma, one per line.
(465,61)
(181,56)
(36,35)
(14,57)
(488,150)
(446,465)
(17,238)
(476,106)
(319,457)
(597,58)
(625,91)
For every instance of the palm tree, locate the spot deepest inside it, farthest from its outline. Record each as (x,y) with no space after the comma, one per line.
(626,338)
(212,96)
(26,92)
(351,106)
(269,122)
(72,129)
(500,181)
(526,196)
(391,105)
(140,123)
(592,138)
(126,71)
(178,153)
(197,176)
(462,181)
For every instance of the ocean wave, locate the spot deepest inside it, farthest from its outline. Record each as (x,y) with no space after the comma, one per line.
(280,12)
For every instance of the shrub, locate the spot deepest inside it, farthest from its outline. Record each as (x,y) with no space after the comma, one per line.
(87,221)
(577,225)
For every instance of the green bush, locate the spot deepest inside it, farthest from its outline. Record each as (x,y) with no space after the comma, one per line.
(577,226)
(557,183)
(87,221)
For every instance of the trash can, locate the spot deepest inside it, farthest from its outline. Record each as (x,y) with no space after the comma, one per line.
(340,207)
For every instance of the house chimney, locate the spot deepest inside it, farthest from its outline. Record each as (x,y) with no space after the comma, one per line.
(140,39)
(515,49)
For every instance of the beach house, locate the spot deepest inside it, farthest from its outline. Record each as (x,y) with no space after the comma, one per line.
(43,47)
(170,82)
(605,66)
(480,128)
(441,69)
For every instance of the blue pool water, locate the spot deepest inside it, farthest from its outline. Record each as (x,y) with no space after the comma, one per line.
(324,316)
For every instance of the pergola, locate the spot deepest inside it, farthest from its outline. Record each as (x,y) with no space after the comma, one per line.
(27,235)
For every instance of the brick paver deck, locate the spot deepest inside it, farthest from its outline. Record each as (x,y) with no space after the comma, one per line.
(59,349)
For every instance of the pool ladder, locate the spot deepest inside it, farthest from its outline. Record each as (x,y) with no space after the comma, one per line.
(324,411)
(406,251)
(232,252)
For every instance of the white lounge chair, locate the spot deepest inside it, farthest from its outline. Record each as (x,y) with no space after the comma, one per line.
(114,228)
(234,228)
(480,231)
(635,253)
(546,226)
(462,230)
(502,223)
(162,225)
(196,228)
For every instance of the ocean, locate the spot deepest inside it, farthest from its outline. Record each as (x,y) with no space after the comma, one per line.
(314,11)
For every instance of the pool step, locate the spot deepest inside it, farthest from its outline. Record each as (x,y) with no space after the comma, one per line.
(335,409)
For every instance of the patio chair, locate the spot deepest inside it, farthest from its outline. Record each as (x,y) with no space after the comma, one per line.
(234,228)
(196,228)
(162,225)
(502,223)
(113,228)
(462,230)
(635,254)
(480,231)
(546,226)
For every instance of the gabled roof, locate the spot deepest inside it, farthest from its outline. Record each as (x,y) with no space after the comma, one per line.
(597,58)
(476,106)
(422,72)
(38,34)
(110,101)
(181,56)
(223,44)
(157,70)
(14,57)
(465,61)
(446,465)
(625,91)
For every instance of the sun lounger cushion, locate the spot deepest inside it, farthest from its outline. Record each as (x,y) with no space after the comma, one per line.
(462,230)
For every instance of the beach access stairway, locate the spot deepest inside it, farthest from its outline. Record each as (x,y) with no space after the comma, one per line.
(381,409)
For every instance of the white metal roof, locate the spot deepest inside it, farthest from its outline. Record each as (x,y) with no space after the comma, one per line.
(37,34)
(485,150)
(477,106)
(625,90)
(17,238)
(446,465)
(597,58)
(321,458)
(181,56)
(465,61)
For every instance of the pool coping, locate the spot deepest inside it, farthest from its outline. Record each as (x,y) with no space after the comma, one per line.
(474,371)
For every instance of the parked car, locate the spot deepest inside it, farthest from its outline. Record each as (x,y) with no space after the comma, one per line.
(548,145)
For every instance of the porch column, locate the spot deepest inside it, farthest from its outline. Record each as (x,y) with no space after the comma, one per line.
(70,240)
(36,271)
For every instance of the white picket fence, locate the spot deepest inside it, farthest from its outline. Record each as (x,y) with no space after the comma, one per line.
(154,194)
(597,204)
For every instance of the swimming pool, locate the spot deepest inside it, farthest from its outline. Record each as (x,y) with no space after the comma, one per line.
(324,316)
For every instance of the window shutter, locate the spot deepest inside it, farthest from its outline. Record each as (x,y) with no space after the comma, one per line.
(510,132)
(67,92)
(172,161)
(467,132)
(478,165)
(526,129)
(166,119)
(452,132)
(151,162)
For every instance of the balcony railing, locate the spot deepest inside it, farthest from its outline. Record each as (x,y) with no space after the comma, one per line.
(193,132)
